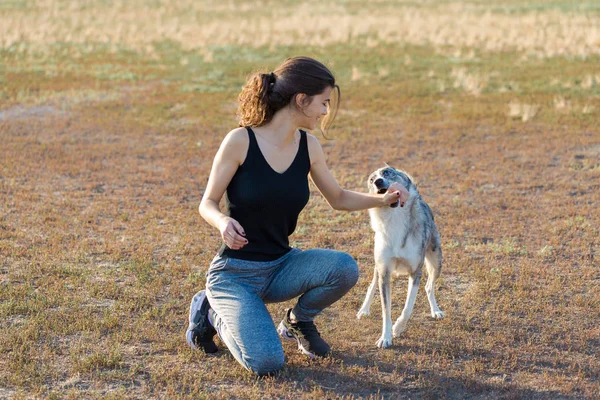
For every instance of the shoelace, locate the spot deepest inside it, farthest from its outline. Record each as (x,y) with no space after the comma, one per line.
(307,328)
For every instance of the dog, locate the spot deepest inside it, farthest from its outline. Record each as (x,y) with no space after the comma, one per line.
(405,238)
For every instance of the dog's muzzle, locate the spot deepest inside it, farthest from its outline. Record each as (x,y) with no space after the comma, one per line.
(380,185)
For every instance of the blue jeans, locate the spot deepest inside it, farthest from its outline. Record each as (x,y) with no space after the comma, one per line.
(238,290)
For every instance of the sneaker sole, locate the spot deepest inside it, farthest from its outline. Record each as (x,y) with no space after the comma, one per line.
(195,306)
(283,332)
(188,339)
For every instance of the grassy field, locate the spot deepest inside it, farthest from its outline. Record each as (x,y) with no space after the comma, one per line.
(111,112)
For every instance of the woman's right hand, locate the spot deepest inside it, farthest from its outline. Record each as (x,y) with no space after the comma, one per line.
(396,194)
(232,233)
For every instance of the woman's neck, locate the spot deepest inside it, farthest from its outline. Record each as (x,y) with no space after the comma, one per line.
(280,130)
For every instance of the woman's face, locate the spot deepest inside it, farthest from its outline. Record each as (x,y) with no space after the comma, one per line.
(318,107)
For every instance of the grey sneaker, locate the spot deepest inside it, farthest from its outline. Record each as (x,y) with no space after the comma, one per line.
(306,334)
(200,332)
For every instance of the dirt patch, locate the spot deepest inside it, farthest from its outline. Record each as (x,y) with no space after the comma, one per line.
(19,113)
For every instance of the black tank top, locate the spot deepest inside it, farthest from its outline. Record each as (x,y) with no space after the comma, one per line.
(267,203)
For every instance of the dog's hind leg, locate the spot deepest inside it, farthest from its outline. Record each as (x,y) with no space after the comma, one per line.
(433,262)
(365,309)
(413,286)
(385,290)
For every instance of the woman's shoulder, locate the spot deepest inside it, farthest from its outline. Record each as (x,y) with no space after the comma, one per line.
(237,134)
(235,144)
(312,141)
(237,137)
(315,150)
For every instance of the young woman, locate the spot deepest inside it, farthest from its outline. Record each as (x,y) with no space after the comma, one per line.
(263,168)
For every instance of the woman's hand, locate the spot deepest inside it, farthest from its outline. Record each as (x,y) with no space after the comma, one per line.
(232,233)
(395,194)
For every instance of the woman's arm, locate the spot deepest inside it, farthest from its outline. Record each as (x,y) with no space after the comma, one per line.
(341,199)
(230,156)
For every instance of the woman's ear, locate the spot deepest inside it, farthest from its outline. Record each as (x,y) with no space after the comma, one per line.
(302,100)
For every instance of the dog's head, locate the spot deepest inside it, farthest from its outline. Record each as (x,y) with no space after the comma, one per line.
(380,180)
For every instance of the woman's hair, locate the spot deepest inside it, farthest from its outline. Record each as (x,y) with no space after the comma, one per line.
(266,93)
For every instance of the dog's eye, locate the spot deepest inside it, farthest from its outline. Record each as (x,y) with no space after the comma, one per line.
(386,173)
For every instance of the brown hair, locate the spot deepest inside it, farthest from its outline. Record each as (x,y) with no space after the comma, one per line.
(266,93)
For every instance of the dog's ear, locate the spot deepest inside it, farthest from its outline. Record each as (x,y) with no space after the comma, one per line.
(411,180)
(389,166)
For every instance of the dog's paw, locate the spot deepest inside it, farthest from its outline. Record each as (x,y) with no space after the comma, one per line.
(384,342)
(399,328)
(437,314)
(363,313)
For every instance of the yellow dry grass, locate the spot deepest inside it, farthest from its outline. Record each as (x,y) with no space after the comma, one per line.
(546,32)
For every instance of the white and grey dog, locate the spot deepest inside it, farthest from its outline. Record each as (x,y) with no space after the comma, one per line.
(405,239)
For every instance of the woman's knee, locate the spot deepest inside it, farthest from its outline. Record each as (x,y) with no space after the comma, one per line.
(266,365)
(347,269)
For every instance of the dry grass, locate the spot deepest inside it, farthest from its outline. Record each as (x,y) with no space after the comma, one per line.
(109,123)
(546,29)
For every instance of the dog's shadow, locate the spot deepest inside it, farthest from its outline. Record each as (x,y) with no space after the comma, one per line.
(362,376)
(366,375)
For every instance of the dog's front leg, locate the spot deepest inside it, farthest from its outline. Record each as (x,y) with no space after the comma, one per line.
(413,286)
(365,310)
(386,305)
